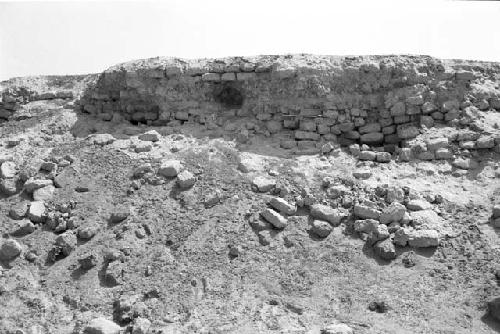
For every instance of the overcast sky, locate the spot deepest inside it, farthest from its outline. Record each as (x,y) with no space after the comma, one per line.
(87,37)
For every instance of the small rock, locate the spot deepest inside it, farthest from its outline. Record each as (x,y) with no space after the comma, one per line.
(87,231)
(274,218)
(18,210)
(379,307)
(141,326)
(393,213)
(366,212)
(170,168)
(102,139)
(402,236)
(362,173)
(102,326)
(383,157)
(321,228)
(151,135)
(418,204)
(185,179)
(24,227)
(496,211)
(283,206)
(114,273)
(337,329)
(142,170)
(263,184)
(44,194)
(119,214)
(36,212)
(8,170)
(8,187)
(494,308)
(10,249)
(327,213)
(48,166)
(143,147)
(465,163)
(385,249)
(33,184)
(87,261)
(424,238)
(67,242)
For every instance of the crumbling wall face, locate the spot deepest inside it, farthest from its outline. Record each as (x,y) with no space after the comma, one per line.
(379,101)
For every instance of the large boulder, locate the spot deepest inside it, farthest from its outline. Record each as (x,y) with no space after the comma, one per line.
(424,238)
(10,249)
(392,213)
(366,212)
(170,168)
(321,228)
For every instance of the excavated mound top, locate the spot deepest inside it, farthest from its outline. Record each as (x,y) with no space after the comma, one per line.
(270,194)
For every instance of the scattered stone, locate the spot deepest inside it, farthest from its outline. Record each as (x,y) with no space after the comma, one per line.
(151,135)
(496,211)
(277,220)
(67,242)
(337,329)
(143,147)
(494,308)
(48,166)
(24,227)
(443,154)
(393,213)
(327,213)
(36,212)
(142,170)
(87,231)
(409,259)
(385,249)
(321,228)
(102,139)
(366,212)
(426,219)
(366,226)
(383,157)
(283,206)
(87,261)
(18,210)
(465,163)
(185,179)
(394,194)
(102,326)
(418,204)
(8,170)
(10,249)
(119,214)
(8,187)
(424,238)
(141,326)
(362,173)
(170,168)
(44,194)
(33,184)
(402,236)
(263,184)
(367,155)
(114,273)
(379,307)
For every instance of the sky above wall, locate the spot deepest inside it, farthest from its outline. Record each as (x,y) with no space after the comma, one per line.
(87,37)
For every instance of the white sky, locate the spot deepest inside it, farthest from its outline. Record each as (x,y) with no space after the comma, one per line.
(86,37)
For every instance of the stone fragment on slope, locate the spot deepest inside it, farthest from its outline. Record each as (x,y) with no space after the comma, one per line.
(418,204)
(263,184)
(7,170)
(18,210)
(151,135)
(9,249)
(33,184)
(36,212)
(392,213)
(327,213)
(274,218)
(102,139)
(366,212)
(283,206)
(44,194)
(385,249)
(170,168)
(185,179)
(102,326)
(321,228)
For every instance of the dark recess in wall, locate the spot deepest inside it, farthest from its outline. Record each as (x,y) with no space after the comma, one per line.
(228,94)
